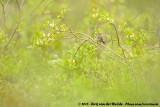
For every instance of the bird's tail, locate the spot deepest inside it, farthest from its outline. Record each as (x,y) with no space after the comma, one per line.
(103,42)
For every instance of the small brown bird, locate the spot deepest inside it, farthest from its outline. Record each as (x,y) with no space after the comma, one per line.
(99,38)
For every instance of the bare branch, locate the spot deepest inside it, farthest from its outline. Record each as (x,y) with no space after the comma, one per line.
(106,53)
(6,45)
(79,48)
(95,28)
(157,22)
(2,5)
(137,15)
(33,10)
(18,4)
(118,39)
(4,17)
(6,5)
(21,4)
(45,13)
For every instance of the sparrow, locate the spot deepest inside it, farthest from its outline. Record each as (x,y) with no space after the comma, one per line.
(99,38)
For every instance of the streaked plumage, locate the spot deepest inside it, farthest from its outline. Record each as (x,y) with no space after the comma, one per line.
(99,38)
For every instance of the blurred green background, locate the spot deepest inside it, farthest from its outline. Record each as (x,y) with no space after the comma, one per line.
(35,76)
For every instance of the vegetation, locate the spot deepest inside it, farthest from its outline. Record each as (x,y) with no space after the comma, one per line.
(50,57)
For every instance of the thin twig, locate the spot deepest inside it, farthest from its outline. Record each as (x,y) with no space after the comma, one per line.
(137,15)
(157,22)
(45,13)
(63,38)
(4,17)
(19,14)
(49,3)
(79,48)
(106,53)
(21,4)
(73,33)
(6,45)
(118,39)
(95,28)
